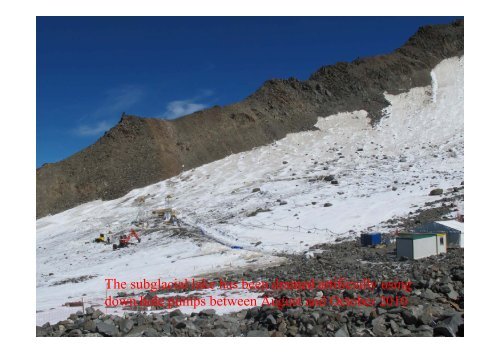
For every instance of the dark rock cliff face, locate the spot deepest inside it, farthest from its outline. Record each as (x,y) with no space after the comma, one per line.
(141,151)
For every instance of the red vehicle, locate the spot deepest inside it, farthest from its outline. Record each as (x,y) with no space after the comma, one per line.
(125,239)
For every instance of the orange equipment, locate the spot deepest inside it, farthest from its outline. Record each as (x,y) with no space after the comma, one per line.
(125,239)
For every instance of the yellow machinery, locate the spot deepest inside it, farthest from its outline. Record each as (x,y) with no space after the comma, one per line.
(100,239)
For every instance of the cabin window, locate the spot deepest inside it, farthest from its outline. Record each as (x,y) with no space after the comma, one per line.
(441,240)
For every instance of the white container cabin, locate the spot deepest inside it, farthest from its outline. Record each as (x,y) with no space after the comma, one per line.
(419,245)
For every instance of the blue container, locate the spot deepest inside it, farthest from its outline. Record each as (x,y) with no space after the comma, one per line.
(369,239)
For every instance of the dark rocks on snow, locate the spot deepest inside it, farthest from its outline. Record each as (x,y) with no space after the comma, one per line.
(436,192)
(258,210)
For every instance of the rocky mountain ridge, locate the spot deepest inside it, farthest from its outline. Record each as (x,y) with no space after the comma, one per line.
(141,151)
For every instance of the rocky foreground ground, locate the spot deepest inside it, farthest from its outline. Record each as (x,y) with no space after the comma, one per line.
(435,303)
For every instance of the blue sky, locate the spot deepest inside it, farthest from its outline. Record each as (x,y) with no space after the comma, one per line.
(91,69)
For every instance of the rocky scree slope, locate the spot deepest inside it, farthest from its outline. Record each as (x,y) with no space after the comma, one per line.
(141,151)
